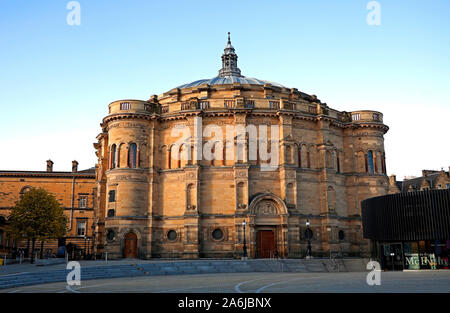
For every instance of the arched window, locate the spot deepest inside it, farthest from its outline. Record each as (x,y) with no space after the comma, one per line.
(299,152)
(366,162)
(370,161)
(183,157)
(113,156)
(132,155)
(174,154)
(288,155)
(240,193)
(191,197)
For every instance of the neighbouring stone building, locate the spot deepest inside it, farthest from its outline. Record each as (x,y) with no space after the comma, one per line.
(75,191)
(156,197)
(430,180)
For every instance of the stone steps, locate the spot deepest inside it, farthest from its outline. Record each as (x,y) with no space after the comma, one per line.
(183,268)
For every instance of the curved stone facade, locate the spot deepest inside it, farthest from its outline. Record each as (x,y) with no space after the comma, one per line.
(157,180)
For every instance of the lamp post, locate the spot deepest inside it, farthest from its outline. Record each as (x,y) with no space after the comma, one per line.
(85,237)
(392,258)
(308,235)
(245,243)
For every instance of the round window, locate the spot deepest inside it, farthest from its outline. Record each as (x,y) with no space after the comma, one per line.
(341,235)
(110,235)
(111,213)
(172,235)
(217,234)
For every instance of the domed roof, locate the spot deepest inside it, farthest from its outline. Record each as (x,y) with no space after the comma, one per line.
(229,73)
(231,79)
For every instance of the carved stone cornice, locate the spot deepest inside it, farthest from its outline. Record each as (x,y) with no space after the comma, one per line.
(229,112)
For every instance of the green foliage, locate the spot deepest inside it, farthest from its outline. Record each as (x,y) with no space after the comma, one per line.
(38,215)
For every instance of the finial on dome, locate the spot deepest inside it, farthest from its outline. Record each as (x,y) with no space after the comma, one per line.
(229,61)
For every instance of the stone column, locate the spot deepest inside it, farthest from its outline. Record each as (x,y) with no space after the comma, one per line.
(192,227)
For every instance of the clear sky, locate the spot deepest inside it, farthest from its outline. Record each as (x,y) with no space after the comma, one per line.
(57,80)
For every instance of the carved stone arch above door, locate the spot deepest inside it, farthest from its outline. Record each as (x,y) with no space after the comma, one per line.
(267,204)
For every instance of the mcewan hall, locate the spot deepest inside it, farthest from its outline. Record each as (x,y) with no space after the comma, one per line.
(151,195)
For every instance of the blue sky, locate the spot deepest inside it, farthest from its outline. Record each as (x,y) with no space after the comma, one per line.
(56,80)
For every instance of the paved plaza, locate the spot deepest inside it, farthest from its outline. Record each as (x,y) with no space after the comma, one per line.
(437,281)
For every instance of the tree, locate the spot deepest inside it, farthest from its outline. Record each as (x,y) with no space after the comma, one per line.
(38,216)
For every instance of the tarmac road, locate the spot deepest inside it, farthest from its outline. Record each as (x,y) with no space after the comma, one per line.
(436,281)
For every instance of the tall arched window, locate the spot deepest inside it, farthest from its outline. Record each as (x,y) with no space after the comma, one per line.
(113,156)
(132,155)
(174,161)
(299,155)
(370,161)
(183,156)
(366,163)
(240,193)
(288,158)
(191,196)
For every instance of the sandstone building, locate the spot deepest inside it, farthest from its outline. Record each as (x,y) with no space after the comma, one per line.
(157,196)
(430,180)
(74,190)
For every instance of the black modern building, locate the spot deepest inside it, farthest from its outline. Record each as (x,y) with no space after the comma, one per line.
(409,230)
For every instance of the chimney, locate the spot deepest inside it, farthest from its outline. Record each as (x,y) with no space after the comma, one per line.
(392,179)
(74,166)
(49,166)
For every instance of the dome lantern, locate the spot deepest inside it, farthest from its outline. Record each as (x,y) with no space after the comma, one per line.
(229,61)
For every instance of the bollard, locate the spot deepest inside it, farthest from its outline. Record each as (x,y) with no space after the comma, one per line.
(106,256)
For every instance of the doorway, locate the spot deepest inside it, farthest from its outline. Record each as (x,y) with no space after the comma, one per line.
(392,256)
(265,243)
(130,246)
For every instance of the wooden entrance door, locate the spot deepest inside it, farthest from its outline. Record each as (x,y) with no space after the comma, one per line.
(130,246)
(266,243)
